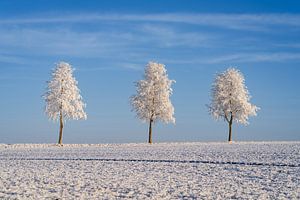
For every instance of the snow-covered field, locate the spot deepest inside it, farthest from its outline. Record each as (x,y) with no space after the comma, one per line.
(246,170)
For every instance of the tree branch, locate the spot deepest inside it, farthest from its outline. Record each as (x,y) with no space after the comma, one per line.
(225,116)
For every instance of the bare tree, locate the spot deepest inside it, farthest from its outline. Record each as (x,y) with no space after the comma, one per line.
(152,101)
(230,99)
(63,99)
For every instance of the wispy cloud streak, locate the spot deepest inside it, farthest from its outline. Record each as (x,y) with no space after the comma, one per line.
(174,38)
(253,57)
(231,21)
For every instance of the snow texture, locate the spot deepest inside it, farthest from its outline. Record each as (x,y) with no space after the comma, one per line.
(152,101)
(63,96)
(230,97)
(244,170)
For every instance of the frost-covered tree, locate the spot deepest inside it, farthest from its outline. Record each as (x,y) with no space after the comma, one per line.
(230,99)
(152,101)
(63,99)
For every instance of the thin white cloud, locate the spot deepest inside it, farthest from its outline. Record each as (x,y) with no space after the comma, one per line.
(64,42)
(166,36)
(93,69)
(11,59)
(133,44)
(254,57)
(236,58)
(133,66)
(288,45)
(231,21)
(16,59)
(171,42)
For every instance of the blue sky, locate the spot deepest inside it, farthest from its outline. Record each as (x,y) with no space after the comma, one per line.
(110,42)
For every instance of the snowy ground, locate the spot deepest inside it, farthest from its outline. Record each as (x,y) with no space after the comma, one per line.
(265,170)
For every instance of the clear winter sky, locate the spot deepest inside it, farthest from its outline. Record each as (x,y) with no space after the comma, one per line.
(110,42)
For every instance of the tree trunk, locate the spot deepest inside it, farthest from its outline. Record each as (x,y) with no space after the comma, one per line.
(60,128)
(150,132)
(230,129)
